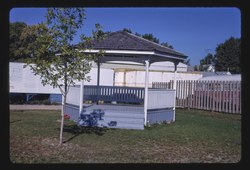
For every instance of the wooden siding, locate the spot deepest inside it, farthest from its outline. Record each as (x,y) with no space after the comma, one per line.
(73,96)
(72,111)
(160,98)
(158,116)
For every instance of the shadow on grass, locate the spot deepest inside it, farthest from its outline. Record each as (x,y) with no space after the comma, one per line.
(77,130)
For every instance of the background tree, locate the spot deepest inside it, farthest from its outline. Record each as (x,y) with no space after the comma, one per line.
(54,58)
(206,61)
(28,39)
(167,45)
(15,31)
(187,62)
(150,37)
(127,30)
(196,68)
(227,56)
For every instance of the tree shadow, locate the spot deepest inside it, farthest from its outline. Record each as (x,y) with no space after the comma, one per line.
(77,130)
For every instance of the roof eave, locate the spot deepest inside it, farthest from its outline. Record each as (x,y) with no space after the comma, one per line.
(160,56)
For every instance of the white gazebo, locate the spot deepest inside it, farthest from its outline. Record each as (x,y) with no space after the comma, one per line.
(148,105)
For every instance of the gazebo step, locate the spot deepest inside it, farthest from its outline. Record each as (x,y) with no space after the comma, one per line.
(122,120)
(123,125)
(117,114)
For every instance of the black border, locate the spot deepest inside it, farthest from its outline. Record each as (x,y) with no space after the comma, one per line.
(4,65)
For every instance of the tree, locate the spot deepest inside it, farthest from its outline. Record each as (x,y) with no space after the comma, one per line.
(127,30)
(22,40)
(187,62)
(28,39)
(54,58)
(206,61)
(196,68)
(16,29)
(151,37)
(227,55)
(167,45)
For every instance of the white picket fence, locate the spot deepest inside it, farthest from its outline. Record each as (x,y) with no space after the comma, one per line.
(220,96)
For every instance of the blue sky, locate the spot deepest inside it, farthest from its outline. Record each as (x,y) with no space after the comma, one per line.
(192,31)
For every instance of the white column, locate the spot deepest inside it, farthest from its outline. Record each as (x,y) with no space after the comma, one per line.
(98,80)
(146,92)
(175,72)
(81,97)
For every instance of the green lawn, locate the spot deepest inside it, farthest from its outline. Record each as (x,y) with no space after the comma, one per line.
(196,136)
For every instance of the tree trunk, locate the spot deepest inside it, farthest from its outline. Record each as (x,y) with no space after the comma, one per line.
(62,120)
(64,102)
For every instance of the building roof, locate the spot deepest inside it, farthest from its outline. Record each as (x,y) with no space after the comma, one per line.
(124,41)
(234,77)
(217,73)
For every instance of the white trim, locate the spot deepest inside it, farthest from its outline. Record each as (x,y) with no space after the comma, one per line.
(131,52)
(120,52)
(124,63)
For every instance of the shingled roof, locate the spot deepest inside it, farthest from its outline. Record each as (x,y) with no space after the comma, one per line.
(123,46)
(122,40)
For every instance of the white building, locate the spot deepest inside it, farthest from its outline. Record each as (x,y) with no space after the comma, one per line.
(22,80)
(133,75)
(234,77)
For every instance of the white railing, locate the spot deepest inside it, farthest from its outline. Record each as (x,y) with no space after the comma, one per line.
(73,96)
(161,98)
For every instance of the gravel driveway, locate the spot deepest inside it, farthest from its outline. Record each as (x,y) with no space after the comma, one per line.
(35,107)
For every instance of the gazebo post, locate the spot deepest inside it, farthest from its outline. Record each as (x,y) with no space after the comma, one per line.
(98,79)
(174,87)
(146,91)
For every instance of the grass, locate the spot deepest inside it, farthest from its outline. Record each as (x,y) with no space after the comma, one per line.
(195,137)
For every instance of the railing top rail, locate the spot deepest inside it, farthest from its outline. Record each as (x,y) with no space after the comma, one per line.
(160,89)
(116,87)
